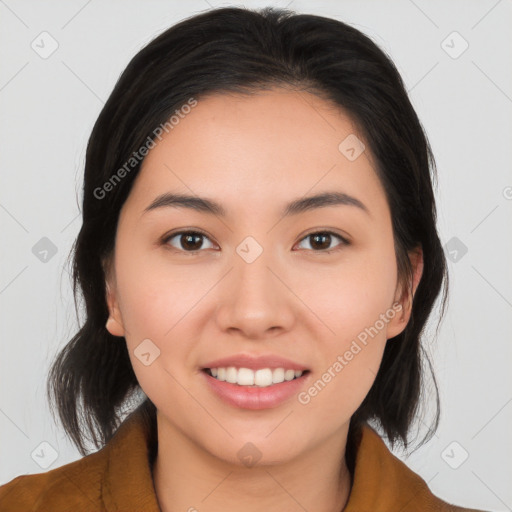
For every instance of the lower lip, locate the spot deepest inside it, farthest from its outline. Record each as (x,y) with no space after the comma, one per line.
(247,397)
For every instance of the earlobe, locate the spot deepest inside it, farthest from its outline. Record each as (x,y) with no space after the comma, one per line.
(114,323)
(114,327)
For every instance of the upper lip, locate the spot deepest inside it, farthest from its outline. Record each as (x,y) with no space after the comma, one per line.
(255,362)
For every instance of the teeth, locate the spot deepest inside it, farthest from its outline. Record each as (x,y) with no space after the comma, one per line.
(231,375)
(289,375)
(263,377)
(247,377)
(278,375)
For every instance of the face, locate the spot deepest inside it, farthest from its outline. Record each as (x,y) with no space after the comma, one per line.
(315,286)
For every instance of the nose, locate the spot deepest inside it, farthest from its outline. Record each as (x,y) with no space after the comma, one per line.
(255,300)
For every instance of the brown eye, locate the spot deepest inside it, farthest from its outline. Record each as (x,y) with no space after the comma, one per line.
(188,241)
(321,241)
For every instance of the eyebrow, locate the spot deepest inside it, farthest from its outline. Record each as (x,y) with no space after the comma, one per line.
(204,205)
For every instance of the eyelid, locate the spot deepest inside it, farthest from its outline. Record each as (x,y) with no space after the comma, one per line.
(328,231)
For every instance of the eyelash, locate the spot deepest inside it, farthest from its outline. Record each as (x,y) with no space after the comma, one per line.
(343,240)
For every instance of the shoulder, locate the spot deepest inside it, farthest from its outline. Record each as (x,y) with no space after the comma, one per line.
(77,484)
(117,477)
(381,481)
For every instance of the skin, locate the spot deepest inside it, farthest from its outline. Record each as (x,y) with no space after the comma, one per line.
(253,155)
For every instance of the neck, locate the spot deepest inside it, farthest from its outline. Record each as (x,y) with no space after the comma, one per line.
(186,477)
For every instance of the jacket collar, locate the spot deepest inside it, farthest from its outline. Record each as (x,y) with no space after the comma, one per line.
(380,480)
(129,480)
(383,482)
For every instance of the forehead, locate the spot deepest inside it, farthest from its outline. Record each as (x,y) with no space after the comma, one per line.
(256,146)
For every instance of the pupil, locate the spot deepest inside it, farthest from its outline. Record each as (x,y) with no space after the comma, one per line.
(325,236)
(194,246)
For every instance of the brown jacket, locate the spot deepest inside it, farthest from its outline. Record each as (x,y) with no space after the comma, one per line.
(118,478)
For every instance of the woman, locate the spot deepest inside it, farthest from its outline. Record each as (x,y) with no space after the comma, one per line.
(258,256)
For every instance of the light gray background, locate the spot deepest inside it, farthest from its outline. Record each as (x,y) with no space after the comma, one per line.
(48,107)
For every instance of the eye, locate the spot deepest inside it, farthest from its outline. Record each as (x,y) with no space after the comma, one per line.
(322,240)
(190,241)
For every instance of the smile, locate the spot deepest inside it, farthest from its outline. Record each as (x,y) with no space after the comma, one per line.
(255,389)
(263,377)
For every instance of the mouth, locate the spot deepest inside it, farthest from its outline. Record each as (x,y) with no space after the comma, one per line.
(249,378)
(256,389)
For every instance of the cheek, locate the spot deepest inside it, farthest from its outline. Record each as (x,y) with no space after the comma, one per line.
(154,295)
(337,392)
(163,304)
(352,295)
(356,302)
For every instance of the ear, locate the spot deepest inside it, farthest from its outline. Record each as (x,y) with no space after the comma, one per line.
(114,323)
(405,294)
